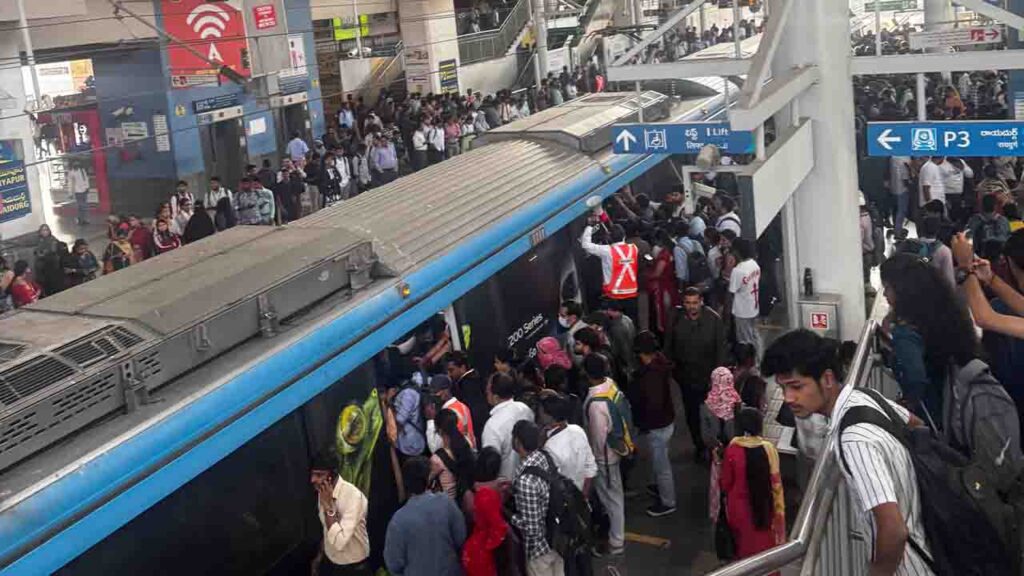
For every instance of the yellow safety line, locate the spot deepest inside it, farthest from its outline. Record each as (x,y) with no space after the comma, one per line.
(662,543)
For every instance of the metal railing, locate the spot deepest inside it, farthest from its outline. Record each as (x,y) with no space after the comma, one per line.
(494,43)
(827,538)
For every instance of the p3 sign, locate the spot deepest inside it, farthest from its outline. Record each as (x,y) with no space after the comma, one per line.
(945,138)
(214,29)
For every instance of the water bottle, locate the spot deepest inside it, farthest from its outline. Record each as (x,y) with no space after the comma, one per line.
(808,283)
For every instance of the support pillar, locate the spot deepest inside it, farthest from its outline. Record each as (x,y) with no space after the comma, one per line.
(540,28)
(825,208)
(430,37)
(938,15)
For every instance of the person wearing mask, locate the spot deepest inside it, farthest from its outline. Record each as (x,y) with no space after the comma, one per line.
(425,536)
(199,226)
(119,253)
(384,160)
(924,343)
(697,346)
(164,239)
(81,265)
(880,472)
(225,216)
(48,253)
(213,196)
(483,505)
(23,288)
(441,389)
(566,443)
(650,395)
(619,265)
(752,484)
(930,181)
(341,508)
(570,321)
(609,478)
(78,183)
(506,411)
(297,148)
(744,283)
(532,494)
(452,464)
(988,225)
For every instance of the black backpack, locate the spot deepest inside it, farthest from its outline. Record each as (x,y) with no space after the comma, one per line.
(462,484)
(568,515)
(961,539)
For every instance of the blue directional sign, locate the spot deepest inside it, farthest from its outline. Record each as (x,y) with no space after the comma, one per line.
(679,138)
(980,138)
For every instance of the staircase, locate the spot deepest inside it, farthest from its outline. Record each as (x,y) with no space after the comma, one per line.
(388,74)
(495,43)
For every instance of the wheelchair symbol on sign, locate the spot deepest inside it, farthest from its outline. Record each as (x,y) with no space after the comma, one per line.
(924,140)
(656,139)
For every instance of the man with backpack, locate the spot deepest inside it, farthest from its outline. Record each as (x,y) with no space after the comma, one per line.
(988,226)
(923,518)
(532,492)
(930,248)
(608,419)
(404,401)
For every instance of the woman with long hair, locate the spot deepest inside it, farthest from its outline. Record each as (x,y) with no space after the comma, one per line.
(930,329)
(662,285)
(451,467)
(755,508)
(48,253)
(483,509)
(23,289)
(164,239)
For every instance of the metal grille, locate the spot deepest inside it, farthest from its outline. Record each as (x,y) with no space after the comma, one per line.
(149,365)
(30,377)
(9,351)
(99,346)
(125,337)
(82,398)
(18,430)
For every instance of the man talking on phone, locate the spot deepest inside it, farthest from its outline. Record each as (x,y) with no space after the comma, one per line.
(342,511)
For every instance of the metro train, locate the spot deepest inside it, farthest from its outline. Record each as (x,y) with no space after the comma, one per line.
(162,419)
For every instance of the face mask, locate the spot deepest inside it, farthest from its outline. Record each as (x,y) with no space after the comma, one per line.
(564,322)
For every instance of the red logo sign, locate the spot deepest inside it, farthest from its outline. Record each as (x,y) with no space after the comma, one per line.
(214,29)
(265,16)
(985,34)
(819,320)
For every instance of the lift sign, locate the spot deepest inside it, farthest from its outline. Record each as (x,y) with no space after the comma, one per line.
(979,138)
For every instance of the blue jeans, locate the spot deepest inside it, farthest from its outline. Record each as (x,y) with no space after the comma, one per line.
(902,203)
(661,468)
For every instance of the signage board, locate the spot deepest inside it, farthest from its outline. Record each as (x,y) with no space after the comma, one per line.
(686,138)
(448,70)
(945,38)
(214,103)
(970,138)
(15,201)
(264,16)
(892,6)
(214,29)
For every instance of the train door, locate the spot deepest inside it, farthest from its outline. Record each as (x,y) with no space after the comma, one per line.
(292,119)
(224,149)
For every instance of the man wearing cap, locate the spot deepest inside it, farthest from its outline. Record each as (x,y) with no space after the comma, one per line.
(441,389)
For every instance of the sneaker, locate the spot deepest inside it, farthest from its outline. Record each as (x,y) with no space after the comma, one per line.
(652,491)
(606,551)
(658,510)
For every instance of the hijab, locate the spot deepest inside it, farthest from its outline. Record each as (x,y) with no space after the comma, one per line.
(722,398)
(551,353)
(199,226)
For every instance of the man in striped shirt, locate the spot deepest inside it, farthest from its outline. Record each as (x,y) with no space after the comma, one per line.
(880,473)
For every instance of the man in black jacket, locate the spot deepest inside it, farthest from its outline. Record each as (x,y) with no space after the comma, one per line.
(697,346)
(469,388)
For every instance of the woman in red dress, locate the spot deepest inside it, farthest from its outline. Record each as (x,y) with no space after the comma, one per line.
(23,288)
(482,506)
(752,483)
(662,285)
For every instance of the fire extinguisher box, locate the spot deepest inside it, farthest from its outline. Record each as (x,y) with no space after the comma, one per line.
(820,313)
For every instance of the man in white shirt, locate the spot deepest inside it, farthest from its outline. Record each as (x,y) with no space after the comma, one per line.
(342,508)
(877,467)
(744,286)
(899,184)
(729,220)
(214,195)
(619,266)
(504,415)
(567,443)
(953,171)
(435,137)
(297,148)
(419,146)
(930,180)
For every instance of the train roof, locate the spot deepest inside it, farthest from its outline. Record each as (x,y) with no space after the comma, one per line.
(109,383)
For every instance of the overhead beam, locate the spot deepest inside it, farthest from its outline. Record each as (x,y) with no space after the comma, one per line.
(665,27)
(776,95)
(958,62)
(680,69)
(761,65)
(994,12)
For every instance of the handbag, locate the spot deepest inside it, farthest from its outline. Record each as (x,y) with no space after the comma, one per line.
(725,542)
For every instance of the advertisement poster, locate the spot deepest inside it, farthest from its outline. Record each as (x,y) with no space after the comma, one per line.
(14,198)
(449,73)
(356,438)
(214,29)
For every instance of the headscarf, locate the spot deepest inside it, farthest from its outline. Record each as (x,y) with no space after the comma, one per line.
(199,226)
(778,500)
(723,397)
(551,353)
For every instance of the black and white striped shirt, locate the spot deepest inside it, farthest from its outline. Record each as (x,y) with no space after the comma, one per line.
(881,472)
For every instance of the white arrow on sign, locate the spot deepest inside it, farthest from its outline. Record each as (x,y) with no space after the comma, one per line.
(884,139)
(625,139)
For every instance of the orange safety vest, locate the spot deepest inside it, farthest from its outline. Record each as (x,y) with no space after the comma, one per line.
(623,283)
(465,421)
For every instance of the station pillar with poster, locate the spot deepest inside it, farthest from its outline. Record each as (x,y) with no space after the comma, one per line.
(431,45)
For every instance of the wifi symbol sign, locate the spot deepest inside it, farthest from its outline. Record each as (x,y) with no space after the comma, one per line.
(208,20)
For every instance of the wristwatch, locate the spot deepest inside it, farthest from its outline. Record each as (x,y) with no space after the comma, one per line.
(962,274)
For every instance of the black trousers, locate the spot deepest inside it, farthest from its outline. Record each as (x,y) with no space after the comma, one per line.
(693,399)
(327,568)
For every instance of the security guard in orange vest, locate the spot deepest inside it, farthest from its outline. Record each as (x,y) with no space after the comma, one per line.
(619,267)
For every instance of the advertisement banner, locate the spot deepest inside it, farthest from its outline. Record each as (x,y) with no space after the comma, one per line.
(14,197)
(448,70)
(214,29)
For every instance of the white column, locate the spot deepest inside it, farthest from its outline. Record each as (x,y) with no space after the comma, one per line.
(430,37)
(540,28)
(826,207)
(938,14)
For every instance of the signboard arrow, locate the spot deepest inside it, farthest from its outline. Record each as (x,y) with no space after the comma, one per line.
(886,141)
(625,139)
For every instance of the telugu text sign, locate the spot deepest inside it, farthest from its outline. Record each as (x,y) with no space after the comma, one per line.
(14,196)
(680,138)
(969,139)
